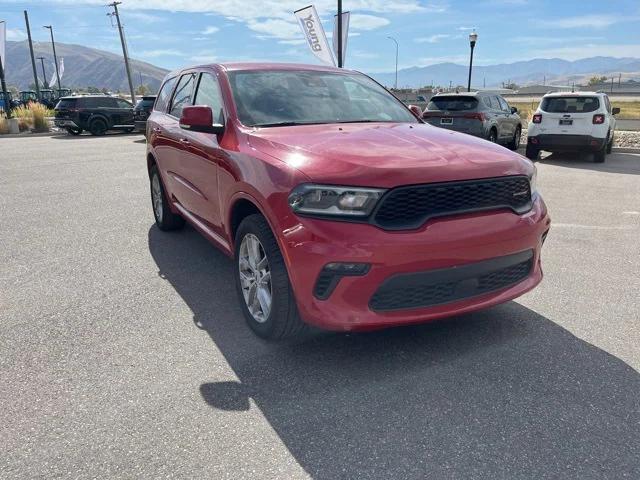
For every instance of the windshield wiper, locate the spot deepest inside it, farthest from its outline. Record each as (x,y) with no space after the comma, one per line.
(284,124)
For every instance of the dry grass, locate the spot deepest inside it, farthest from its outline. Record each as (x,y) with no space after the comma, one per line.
(4,125)
(32,116)
(628,110)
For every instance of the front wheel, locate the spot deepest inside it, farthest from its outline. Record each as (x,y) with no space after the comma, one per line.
(74,131)
(262,282)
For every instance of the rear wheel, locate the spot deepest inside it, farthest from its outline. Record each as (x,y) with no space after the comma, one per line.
(599,156)
(98,127)
(532,153)
(610,144)
(129,130)
(514,144)
(493,136)
(262,282)
(165,218)
(74,131)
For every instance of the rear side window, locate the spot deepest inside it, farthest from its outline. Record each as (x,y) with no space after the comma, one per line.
(453,104)
(570,104)
(123,104)
(183,94)
(504,105)
(209,94)
(66,104)
(164,95)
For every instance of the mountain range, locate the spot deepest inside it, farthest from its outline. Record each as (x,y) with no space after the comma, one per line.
(85,66)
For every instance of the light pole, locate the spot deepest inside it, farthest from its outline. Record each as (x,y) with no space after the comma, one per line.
(44,73)
(55,57)
(473,38)
(396,42)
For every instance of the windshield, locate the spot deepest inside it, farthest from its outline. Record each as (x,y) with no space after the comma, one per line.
(453,104)
(570,104)
(289,97)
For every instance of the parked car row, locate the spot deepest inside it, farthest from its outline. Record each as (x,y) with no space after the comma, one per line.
(563,121)
(98,114)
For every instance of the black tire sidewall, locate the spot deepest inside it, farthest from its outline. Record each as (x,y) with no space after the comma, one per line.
(93,127)
(280,287)
(169,220)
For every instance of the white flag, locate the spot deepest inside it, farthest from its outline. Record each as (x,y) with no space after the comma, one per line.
(345,34)
(314,33)
(54,78)
(3,40)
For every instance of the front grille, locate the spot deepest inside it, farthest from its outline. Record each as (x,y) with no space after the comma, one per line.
(410,207)
(436,287)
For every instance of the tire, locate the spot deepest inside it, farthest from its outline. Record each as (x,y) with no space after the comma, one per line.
(610,144)
(166,220)
(514,144)
(532,153)
(493,135)
(281,319)
(98,127)
(129,130)
(599,156)
(74,131)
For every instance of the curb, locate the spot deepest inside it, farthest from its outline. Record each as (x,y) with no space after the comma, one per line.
(30,135)
(625,150)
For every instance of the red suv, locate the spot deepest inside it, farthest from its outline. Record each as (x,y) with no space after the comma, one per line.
(340,207)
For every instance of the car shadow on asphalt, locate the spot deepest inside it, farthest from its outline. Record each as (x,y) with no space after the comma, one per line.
(87,136)
(617,162)
(503,393)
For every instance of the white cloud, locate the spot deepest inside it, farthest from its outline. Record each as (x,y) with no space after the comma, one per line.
(16,34)
(274,27)
(433,38)
(161,53)
(367,22)
(586,21)
(142,17)
(210,30)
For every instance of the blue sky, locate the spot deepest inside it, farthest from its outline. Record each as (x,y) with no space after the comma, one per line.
(174,33)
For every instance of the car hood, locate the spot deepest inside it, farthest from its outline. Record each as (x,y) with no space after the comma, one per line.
(386,154)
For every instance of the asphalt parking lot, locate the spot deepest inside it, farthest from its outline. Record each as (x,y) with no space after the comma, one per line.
(123,353)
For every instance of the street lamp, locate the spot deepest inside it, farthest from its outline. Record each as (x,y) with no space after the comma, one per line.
(396,42)
(473,38)
(55,57)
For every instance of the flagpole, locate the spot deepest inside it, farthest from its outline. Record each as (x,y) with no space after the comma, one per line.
(340,59)
(55,57)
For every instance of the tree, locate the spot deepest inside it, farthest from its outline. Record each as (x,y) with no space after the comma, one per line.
(93,89)
(142,90)
(597,80)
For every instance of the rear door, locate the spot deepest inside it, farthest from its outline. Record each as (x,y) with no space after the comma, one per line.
(568,115)
(508,125)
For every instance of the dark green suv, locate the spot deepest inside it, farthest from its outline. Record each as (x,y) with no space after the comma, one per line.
(95,113)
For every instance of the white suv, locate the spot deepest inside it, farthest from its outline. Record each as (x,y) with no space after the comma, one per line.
(573,122)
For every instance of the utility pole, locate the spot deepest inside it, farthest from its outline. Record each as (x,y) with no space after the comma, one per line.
(44,73)
(33,60)
(55,57)
(5,94)
(126,53)
(340,59)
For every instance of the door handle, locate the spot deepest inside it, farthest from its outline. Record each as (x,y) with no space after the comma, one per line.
(157,129)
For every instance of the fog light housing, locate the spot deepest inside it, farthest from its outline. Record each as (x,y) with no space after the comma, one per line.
(331,275)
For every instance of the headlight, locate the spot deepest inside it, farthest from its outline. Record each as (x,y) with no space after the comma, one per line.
(533,180)
(334,201)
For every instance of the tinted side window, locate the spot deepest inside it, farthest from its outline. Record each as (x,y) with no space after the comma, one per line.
(182,96)
(123,104)
(71,103)
(607,103)
(495,104)
(164,95)
(209,94)
(487,101)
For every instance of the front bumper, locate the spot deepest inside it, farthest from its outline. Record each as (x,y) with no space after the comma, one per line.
(442,244)
(562,143)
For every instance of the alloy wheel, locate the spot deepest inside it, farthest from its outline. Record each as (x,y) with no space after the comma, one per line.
(255,278)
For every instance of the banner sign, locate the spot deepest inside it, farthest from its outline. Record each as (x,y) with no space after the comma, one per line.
(3,40)
(314,33)
(345,34)
(54,78)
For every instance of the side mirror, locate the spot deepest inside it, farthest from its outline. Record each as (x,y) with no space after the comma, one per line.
(198,118)
(416,110)
(615,110)
(514,110)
